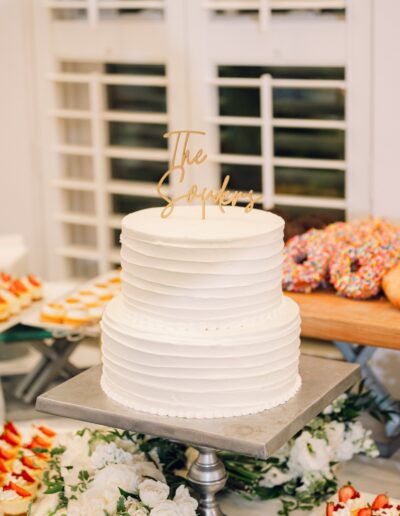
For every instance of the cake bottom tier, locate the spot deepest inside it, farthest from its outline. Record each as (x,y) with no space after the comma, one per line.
(208,374)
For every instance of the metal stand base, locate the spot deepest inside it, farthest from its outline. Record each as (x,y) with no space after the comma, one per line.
(207,475)
(54,362)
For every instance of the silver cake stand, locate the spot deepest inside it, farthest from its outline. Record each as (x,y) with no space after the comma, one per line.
(258,435)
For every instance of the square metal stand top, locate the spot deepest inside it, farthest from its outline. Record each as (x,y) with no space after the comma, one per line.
(259,435)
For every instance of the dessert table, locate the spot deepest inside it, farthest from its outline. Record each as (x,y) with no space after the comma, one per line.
(358,329)
(259,435)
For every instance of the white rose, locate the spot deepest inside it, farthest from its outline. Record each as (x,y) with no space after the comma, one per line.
(168,508)
(148,469)
(153,492)
(186,504)
(309,454)
(109,480)
(91,502)
(135,508)
(275,477)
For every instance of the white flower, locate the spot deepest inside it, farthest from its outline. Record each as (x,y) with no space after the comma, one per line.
(148,469)
(335,433)
(153,492)
(135,508)
(109,453)
(168,508)
(186,504)
(276,477)
(328,410)
(309,454)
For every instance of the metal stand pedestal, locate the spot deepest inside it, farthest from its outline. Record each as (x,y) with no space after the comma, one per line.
(207,476)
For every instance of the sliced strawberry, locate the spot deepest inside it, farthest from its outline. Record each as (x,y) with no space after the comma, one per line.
(10,427)
(380,502)
(10,438)
(33,280)
(25,475)
(5,277)
(347,493)
(5,455)
(365,511)
(19,490)
(29,463)
(330,507)
(3,467)
(20,287)
(13,289)
(47,431)
(40,442)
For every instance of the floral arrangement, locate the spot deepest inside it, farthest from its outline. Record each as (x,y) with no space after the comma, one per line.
(108,472)
(128,474)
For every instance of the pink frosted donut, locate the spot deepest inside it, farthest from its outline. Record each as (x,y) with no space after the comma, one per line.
(305,262)
(357,272)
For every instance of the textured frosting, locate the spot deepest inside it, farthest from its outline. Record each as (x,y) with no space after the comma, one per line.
(201,328)
(202,273)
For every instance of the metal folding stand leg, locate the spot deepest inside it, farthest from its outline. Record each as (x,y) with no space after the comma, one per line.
(54,362)
(361,355)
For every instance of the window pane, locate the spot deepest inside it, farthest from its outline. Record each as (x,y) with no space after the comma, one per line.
(148,99)
(240,140)
(137,135)
(309,143)
(134,170)
(243,177)
(135,69)
(239,101)
(317,183)
(128,203)
(283,72)
(309,103)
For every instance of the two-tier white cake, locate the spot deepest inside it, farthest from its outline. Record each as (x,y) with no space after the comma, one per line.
(201,328)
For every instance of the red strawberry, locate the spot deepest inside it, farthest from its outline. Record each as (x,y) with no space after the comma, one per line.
(380,502)
(330,507)
(28,462)
(25,475)
(365,511)
(10,438)
(47,431)
(5,455)
(19,490)
(33,280)
(40,442)
(10,427)
(19,286)
(347,493)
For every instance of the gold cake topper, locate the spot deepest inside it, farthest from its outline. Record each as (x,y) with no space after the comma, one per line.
(222,197)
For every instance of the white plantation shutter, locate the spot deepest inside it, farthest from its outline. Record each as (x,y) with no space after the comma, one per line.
(278,86)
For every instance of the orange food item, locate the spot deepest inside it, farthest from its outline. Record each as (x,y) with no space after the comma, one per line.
(29,463)
(18,489)
(10,427)
(47,431)
(10,438)
(3,467)
(6,455)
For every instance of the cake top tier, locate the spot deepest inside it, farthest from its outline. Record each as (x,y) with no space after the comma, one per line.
(186,224)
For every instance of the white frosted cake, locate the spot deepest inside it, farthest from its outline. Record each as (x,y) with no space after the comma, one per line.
(201,328)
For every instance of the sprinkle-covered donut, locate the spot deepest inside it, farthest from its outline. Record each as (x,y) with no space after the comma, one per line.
(357,272)
(306,262)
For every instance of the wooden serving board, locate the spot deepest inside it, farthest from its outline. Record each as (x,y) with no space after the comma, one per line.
(325,315)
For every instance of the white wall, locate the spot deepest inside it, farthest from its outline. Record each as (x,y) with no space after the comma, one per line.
(20,209)
(386,109)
